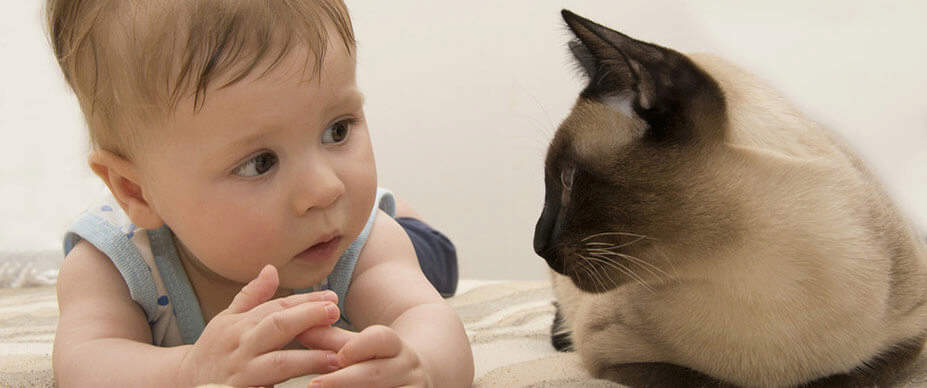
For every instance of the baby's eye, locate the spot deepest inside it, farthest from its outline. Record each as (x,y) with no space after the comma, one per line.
(258,165)
(338,132)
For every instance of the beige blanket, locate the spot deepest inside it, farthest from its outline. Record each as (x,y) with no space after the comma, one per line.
(508,324)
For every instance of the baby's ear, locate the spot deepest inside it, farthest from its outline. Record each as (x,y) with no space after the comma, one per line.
(122,178)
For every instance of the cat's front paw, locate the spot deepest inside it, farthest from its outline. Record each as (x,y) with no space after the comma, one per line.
(657,375)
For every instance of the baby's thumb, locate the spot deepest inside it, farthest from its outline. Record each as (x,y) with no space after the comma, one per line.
(257,291)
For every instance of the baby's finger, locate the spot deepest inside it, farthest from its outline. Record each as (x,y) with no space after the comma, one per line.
(277,329)
(282,365)
(325,338)
(286,302)
(387,372)
(257,291)
(373,342)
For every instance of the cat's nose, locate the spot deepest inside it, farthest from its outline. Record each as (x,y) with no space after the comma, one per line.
(540,239)
(545,229)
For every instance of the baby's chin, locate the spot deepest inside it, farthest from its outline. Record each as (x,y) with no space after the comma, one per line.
(301,278)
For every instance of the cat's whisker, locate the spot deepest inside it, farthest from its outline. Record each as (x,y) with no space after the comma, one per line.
(670,262)
(616,264)
(610,250)
(622,269)
(640,236)
(622,245)
(598,251)
(592,272)
(583,263)
(600,277)
(636,240)
(661,256)
(603,278)
(550,128)
(650,267)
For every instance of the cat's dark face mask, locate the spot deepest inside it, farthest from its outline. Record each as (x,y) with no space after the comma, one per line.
(615,170)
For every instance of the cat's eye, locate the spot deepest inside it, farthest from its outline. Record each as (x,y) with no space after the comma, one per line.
(566,176)
(258,165)
(337,132)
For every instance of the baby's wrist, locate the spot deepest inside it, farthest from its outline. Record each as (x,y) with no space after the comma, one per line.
(184,375)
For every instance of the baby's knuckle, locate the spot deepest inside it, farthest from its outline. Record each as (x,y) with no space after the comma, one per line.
(236,361)
(413,363)
(244,337)
(406,363)
(278,322)
(236,378)
(290,301)
(380,332)
(418,375)
(277,360)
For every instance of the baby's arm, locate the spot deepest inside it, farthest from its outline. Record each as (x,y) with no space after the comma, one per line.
(389,289)
(102,334)
(103,338)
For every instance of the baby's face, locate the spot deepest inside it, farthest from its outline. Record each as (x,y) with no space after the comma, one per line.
(274,170)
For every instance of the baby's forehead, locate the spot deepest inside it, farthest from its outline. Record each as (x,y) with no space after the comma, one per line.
(287,96)
(168,51)
(242,51)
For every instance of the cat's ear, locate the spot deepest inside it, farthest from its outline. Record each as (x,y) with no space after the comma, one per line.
(586,61)
(661,86)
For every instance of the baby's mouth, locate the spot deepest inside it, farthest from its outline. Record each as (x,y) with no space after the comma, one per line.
(320,251)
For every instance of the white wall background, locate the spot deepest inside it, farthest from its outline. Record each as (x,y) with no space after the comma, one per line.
(462,97)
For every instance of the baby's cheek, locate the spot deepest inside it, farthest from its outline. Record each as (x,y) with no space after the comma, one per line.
(362,204)
(242,248)
(257,239)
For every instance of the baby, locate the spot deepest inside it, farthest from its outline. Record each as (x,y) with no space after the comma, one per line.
(246,229)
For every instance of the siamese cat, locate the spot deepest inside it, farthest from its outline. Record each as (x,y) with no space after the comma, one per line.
(702,232)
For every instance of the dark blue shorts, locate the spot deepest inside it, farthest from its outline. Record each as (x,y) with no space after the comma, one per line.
(436,254)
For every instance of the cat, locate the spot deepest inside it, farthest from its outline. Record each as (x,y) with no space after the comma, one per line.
(701,232)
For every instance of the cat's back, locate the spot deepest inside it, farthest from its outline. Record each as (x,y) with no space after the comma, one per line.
(760,117)
(804,172)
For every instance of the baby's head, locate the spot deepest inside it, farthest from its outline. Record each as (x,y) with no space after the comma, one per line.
(237,123)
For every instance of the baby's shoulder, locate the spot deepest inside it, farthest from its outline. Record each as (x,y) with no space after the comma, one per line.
(88,275)
(387,274)
(387,243)
(94,301)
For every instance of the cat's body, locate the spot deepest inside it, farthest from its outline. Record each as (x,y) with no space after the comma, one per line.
(733,237)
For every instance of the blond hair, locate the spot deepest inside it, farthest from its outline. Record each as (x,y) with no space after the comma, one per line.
(131,62)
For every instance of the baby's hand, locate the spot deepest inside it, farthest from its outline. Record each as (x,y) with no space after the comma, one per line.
(241,346)
(375,357)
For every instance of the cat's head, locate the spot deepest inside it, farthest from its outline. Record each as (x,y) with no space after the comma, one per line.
(622,171)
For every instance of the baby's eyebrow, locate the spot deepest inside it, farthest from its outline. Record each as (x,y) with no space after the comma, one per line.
(341,101)
(349,99)
(251,138)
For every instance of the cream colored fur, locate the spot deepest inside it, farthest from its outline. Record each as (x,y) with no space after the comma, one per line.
(826,273)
